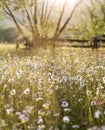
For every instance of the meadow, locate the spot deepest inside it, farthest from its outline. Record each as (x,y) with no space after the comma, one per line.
(60,89)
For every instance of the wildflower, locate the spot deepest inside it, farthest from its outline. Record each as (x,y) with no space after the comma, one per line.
(17,113)
(82,84)
(5,86)
(24,112)
(56,87)
(97,114)
(79,78)
(97,102)
(97,92)
(40,120)
(79,100)
(51,128)
(41,113)
(26,91)
(50,91)
(74,95)
(56,114)
(104,79)
(40,94)
(13,92)
(92,103)
(64,78)
(9,111)
(64,104)
(67,109)
(3,123)
(48,112)
(100,87)
(75,126)
(9,55)
(24,118)
(39,99)
(29,109)
(41,127)
(46,106)
(103,127)
(88,92)
(66,119)
(10,80)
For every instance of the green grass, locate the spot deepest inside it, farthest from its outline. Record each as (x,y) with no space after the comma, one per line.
(55,89)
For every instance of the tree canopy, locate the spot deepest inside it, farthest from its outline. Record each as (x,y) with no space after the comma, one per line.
(38,20)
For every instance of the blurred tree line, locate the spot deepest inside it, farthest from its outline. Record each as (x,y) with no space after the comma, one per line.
(38,20)
(91,20)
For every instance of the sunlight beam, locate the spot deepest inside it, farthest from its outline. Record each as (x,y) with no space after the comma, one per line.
(70,2)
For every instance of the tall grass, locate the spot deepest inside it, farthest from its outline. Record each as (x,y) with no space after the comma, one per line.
(60,91)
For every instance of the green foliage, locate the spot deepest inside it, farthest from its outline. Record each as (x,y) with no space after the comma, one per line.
(91,20)
(97,24)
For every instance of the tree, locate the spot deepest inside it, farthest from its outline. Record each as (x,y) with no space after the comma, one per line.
(96,17)
(37,18)
(91,19)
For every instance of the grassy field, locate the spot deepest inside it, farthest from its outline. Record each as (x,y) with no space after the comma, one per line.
(60,89)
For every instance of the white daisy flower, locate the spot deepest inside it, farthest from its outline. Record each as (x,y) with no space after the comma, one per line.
(13,92)
(82,84)
(97,114)
(40,120)
(64,104)
(26,91)
(66,119)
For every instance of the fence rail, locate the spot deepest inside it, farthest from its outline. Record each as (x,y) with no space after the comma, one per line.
(72,40)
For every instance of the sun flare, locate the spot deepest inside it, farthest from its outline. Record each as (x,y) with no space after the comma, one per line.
(70,2)
(73,2)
